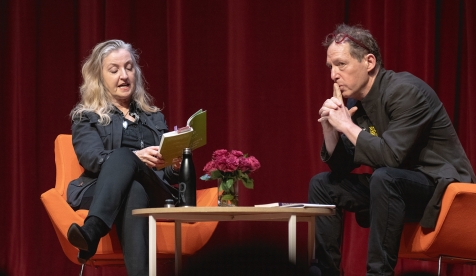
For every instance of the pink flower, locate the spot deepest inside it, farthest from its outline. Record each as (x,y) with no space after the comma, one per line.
(219,153)
(228,163)
(249,164)
(209,167)
(254,163)
(220,162)
(231,165)
(237,153)
(245,164)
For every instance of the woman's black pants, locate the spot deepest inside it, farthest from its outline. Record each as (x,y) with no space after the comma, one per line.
(126,183)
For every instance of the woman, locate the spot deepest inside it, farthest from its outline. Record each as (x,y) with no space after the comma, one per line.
(115,132)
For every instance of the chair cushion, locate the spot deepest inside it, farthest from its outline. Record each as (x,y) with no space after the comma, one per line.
(453,234)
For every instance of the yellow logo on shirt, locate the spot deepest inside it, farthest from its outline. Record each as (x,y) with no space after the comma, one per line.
(373,131)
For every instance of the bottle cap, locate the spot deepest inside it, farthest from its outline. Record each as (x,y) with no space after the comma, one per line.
(169,203)
(187,150)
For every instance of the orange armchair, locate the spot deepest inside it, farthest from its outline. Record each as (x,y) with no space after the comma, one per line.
(453,237)
(194,235)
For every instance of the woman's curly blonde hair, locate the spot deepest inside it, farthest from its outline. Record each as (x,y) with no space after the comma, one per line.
(94,95)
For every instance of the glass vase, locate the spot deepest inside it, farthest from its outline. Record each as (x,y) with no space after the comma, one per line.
(227,193)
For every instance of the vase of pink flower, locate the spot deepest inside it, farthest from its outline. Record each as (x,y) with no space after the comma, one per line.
(230,168)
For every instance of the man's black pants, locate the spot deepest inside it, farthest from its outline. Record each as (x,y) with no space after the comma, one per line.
(385,199)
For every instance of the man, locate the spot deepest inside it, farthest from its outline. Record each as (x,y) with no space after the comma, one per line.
(394,123)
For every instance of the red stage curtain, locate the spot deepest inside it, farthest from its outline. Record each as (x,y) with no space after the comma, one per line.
(257,67)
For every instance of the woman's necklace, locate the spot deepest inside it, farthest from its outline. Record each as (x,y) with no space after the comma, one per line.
(125,123)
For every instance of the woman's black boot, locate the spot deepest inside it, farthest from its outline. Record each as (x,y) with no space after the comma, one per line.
(87,237)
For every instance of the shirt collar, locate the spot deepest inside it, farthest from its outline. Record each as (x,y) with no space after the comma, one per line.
(132,108)
(374,90)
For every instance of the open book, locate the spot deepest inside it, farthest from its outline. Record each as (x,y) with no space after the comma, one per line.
(193,135)
(296,205)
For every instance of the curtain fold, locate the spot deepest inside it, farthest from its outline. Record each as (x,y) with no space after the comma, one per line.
(257,67)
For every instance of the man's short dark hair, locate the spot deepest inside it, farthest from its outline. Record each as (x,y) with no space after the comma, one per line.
(363,37)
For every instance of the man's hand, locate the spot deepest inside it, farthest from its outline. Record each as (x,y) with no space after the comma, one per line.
(338,95)
(330,104)
(150,156)
(334,118)
(333,112)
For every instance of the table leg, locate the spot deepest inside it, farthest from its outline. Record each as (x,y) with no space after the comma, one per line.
(311,229)
(292,239)
(178,247)
(152,247)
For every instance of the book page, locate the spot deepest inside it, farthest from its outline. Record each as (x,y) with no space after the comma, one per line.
(296,205)
(193,135)
(198,122)
(193,115)
(274,204)
(308,205)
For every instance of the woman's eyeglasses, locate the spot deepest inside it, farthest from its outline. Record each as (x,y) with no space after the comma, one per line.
(339,38)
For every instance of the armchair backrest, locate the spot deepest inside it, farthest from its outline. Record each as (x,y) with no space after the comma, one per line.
(67,165)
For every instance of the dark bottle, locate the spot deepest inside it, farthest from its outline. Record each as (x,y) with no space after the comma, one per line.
(187,179)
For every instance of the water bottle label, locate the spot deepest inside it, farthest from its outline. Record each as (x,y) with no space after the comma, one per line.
(182,189)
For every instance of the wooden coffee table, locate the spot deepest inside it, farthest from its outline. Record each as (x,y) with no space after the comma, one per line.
(195,214)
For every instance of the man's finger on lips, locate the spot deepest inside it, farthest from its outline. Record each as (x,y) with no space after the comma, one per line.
(336,93)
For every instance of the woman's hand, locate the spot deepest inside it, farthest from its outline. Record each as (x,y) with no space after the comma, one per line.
(150,156)
(177,164)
